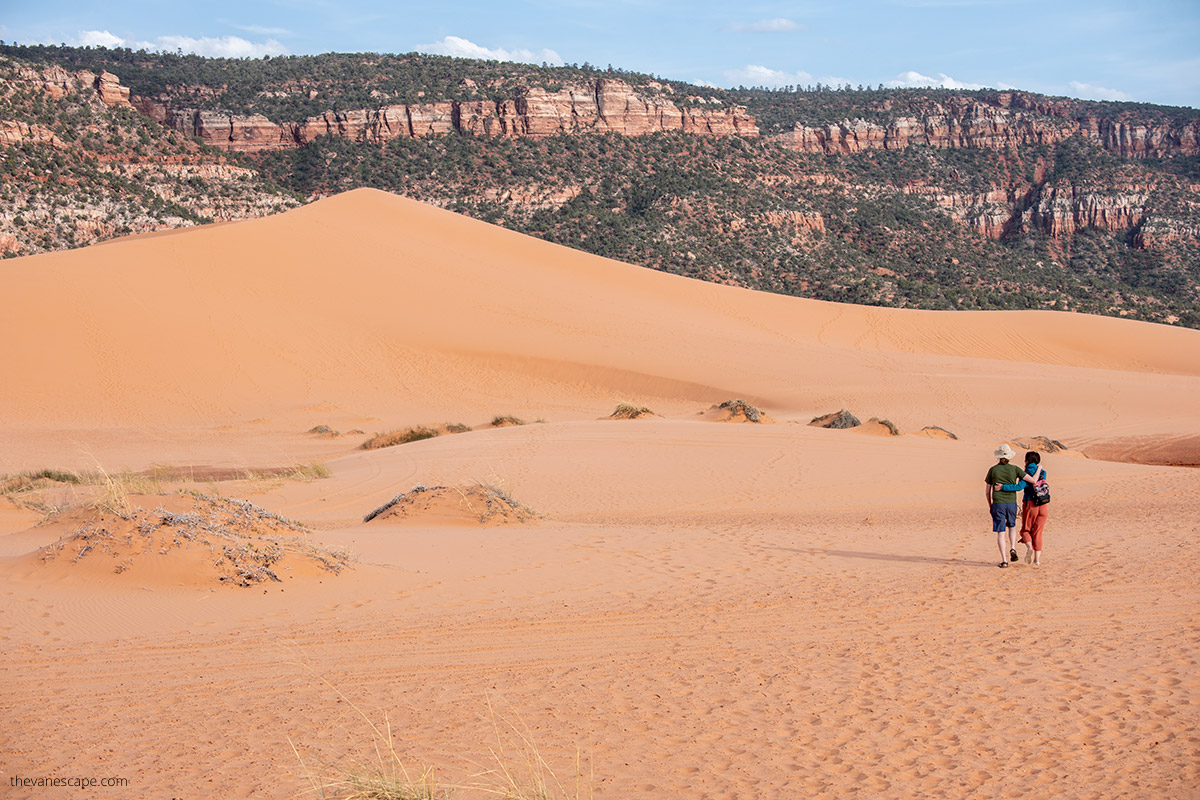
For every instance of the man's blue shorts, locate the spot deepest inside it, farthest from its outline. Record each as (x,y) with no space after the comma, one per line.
(1004,515)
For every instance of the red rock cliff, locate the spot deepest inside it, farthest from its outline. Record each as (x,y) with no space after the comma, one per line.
(105,88)
(600,106)
(1009,118)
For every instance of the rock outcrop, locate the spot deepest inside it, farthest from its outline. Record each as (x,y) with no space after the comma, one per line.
(1004,120)
(57,82)
(1058,210)
(109,89)
(15,132)
(599,106)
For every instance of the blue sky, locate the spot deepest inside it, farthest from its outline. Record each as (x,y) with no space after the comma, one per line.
(1148,51)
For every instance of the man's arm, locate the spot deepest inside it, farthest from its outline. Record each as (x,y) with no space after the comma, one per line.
(987,493)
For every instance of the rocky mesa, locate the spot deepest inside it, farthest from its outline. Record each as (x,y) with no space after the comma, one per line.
(601,105)
(1003,120)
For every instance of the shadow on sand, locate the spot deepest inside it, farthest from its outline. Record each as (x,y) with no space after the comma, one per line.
(816,551)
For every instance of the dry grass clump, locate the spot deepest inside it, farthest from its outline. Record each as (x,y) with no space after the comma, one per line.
(630,411)
(306,473)
(738,410)
(394,438)
(505,420)
(887,423)
(486,503)
(414,434)
(1041,443)
(839,420)
(324,431)
(395,501)
(497,502)
(114,497)
(152,480)
(32,481)
(244,541)
(520,771)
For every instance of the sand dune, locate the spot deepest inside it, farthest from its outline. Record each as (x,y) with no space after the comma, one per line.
(700,610)
(377,307)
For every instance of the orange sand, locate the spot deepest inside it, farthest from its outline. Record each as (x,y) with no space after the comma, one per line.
(703,610)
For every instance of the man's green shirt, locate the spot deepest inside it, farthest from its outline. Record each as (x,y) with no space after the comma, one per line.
(1004,473)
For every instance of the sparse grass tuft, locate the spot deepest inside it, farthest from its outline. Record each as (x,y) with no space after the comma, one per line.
(245,540)
(839,420)
(520,772)
(420,487)
(736,407)
(484,501)
(56,475)
(507,419)
(26,481)
(630,411)
(308,472)
(324,431)
(887,423)
(114,497)
(394,438)
(1042,443)
(497,501)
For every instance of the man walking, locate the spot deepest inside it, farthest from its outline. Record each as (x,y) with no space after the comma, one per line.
(1003,505)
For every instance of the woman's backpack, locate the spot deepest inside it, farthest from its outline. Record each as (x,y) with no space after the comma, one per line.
(1040,489)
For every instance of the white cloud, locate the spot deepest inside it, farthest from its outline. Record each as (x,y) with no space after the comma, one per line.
(1090,92)
(757,75)
(942,81)
(779,25)
(97,39)
(463,48)
(223,47)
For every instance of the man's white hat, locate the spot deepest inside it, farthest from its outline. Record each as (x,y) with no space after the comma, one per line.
(1004,451)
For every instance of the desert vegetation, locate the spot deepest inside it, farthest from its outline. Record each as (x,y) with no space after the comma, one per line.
(393,438)
(838,420)
(519,770)
(738,409)
(630,411)
(887,423)
(245,543)
(486,503)
(413,434)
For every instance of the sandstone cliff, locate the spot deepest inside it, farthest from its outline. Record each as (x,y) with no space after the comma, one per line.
(599,106)
(1058,210)
(1003,120)
(105,88)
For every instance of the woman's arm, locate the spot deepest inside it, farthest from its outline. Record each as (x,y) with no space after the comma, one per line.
(1019,485)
